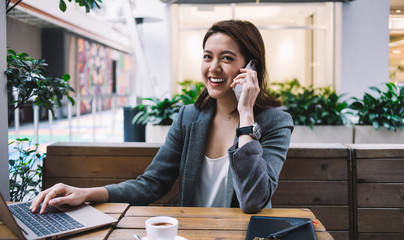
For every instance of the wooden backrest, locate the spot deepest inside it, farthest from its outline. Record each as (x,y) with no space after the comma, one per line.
(98,164)
(378,190)
(317,176)
(348,187)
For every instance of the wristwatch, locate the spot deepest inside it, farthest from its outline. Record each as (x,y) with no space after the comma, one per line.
(254,131)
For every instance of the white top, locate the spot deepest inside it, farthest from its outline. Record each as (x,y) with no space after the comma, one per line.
(211,189)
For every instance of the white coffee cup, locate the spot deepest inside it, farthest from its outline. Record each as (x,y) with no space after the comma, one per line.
(161,228)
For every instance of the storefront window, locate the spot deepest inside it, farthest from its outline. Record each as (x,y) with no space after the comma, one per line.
(298,38)
(396,68)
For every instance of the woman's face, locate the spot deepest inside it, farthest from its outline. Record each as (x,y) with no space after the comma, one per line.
(222,61)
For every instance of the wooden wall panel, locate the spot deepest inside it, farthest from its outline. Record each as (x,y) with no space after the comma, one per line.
(381,236)
(378,191)
(103,149)
(380,170)
(311,192)
(314,169)
(388,195)
(381,220)
(98,166)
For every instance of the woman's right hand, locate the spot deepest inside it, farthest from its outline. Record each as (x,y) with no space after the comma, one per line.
(58,195)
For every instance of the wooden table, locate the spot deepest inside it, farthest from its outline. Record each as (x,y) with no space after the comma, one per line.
(194,223)
(206,223)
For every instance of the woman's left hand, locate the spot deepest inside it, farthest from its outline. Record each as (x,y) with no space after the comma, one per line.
(248,79)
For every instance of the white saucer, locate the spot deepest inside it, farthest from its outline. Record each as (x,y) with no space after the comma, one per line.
(176,238)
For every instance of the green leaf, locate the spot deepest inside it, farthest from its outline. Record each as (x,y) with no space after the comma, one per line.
(66,77)
(12,52)
(62,5)
(376,124)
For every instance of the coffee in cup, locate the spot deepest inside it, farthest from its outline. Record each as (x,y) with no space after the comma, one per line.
(161,228)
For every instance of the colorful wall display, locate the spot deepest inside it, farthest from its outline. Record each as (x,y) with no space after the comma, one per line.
(101,71)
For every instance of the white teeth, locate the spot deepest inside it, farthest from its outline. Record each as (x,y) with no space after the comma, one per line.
(217,80)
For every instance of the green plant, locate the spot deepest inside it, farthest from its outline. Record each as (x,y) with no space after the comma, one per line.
(384,109)
(331,110)
(88,4)
(309,105)
(28,77)
(25,170)
(157,112)
(163,112)
(190,91)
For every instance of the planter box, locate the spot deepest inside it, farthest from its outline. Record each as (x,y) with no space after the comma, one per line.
(368,134)
(132,132)
(322,134)
(156,133)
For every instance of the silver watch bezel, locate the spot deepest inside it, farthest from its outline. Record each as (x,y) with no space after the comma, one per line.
(256,131)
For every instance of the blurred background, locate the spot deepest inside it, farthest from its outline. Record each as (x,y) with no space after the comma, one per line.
(125,50)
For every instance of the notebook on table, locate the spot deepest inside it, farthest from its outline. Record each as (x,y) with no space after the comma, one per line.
(54,223)
(261,227)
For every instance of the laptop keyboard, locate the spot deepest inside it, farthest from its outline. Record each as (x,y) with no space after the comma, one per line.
(52,221)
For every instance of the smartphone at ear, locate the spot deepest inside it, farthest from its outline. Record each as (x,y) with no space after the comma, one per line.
(239,88)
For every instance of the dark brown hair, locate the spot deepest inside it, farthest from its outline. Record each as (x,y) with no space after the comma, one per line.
(252,47)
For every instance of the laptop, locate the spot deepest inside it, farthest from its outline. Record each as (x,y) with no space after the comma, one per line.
(54,223)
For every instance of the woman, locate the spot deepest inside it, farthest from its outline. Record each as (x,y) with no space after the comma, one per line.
(213,146)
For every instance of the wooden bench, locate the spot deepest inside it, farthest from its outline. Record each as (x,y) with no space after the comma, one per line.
(353,189)
(378,192)
(99,164)
(317,176)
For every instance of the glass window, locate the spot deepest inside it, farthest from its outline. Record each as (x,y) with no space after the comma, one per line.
(396,54)
(298,38)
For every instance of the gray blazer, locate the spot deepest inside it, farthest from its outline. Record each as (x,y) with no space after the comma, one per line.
(253,172)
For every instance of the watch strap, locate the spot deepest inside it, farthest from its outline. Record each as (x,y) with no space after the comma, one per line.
(244,131)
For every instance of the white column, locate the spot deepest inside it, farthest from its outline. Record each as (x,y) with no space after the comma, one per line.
(364,46)
(4,183)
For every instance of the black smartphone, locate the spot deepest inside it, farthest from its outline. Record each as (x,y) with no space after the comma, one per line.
(238,88)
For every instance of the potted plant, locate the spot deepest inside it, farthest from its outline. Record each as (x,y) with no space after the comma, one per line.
(133,132)
(380,116)
(158,114)
(318,113)
(25,168)
(27,78)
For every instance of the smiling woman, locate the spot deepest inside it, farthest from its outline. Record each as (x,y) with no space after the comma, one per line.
(214,147)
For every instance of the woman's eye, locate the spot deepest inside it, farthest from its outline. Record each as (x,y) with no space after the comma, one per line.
(227,58)
(207,57)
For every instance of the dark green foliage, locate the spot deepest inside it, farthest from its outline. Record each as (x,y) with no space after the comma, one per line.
(190,91)
(158,112)
(29,78)
(88,4)
(25,170)
(163,112)
(385,108)
(310,106)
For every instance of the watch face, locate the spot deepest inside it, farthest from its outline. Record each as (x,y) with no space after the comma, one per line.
(256,134)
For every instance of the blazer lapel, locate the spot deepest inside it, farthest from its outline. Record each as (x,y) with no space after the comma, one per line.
(195,154)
